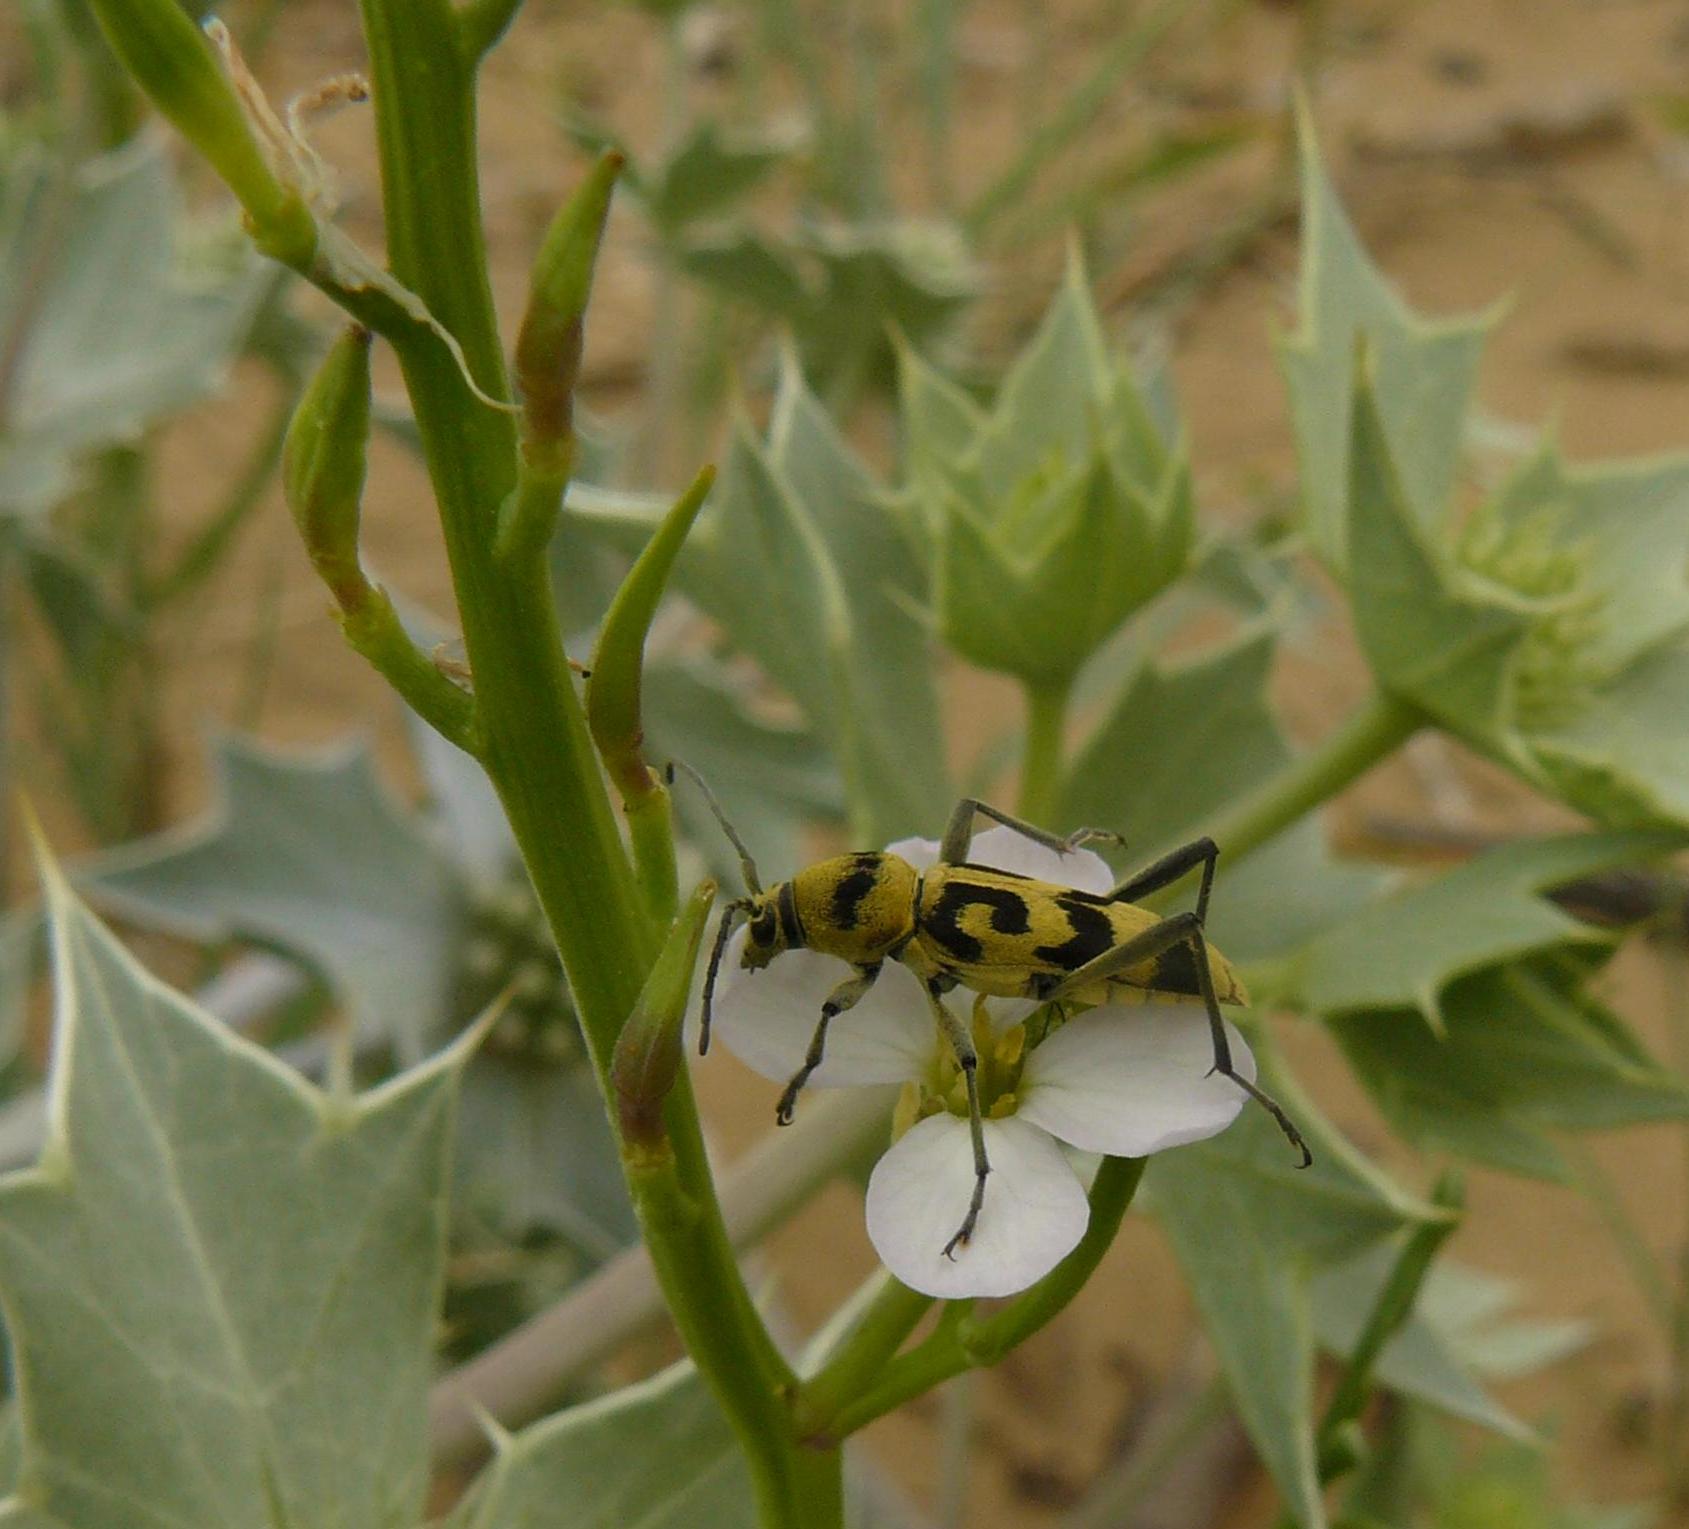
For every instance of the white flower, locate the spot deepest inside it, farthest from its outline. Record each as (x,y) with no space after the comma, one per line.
(1121,1079)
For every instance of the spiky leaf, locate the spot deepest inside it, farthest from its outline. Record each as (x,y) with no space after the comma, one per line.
(310,855)
(220,1284)
(658,1455)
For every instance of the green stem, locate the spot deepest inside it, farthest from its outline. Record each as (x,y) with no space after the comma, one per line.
(1393,1307)
(967,1343)
(711,1309)
(1597,1187)
(535,743)
(1676,1428)
(205,553)
(1041,769)
(1372,733)
(889,1316)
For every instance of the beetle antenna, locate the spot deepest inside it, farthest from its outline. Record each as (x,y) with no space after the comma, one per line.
(747,866)
(723,933)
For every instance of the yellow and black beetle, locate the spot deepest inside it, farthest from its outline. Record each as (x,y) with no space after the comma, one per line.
(994,932)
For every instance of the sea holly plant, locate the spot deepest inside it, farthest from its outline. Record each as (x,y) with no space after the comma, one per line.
(247,1262)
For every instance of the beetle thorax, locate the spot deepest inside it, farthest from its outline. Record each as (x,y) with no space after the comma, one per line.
(860,908)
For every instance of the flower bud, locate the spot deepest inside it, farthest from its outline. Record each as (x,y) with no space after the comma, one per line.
(650,1047)
(323,464)
(1056,515)
(548,346)
(173,63)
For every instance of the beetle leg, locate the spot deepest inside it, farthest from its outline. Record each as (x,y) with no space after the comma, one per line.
(1184,929)
(958,834)
(962,1043)
(1168,869)
(846,995)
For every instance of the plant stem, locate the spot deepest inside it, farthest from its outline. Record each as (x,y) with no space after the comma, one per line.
(211,542)
(1597,1187)
(1380,726)
(1676,1427)
(535,742)
(1393,1307)
(702,1304)
(1041,769)
(861,1355)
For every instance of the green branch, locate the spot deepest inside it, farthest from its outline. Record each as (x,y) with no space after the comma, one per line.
(1379,727)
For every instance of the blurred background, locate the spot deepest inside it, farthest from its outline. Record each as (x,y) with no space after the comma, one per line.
(824,175)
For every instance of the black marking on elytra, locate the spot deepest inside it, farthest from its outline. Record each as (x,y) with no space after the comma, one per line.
(1093,933)
(790,925)
(849,891)
(1175,972)
(1008,915)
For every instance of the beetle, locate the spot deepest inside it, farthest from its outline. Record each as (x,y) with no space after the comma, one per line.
(994,932)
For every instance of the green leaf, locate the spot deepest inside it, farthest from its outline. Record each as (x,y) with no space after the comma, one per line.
(1046,411)
(910,276)
(220,1284)
(896,728)
(940,425)
(799,560)
(1624,758)
(772,781)
(1425,369)
(1629,520)
(309,854)
(1419,1361)
(1068,557)
(1472,1311)
(1523,1050)
(1178,743)
(1402,951)
(658,1455)
(1248,1228)
(1526,648)
(746,266)
(709,171)
(1449,649)
(122,333)
(534,1152)
(1182,742)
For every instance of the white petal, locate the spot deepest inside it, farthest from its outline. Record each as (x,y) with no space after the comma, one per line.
(1034,1211)
(1129,1079)
(766,1018)
(920,853)
(1005,849)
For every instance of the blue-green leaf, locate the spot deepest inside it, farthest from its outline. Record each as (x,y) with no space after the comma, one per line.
(220,1284)
(122,332)
(1425,369)
(1402,951)
(1249,1228)
(310,855)
(657,1455)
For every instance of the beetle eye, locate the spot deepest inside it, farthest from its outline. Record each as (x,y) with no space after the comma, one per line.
(764,927)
